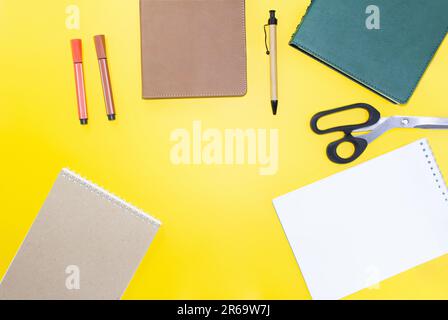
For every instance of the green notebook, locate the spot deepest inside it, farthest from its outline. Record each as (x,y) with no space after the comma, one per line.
(386,45)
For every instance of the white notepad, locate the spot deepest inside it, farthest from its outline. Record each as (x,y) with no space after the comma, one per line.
(369,223)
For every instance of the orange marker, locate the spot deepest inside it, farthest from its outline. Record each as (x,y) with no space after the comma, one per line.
(79,79)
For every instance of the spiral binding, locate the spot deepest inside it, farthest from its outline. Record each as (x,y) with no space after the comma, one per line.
(73,177)
(435,169)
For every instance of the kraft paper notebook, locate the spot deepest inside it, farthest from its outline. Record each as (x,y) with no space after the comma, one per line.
(390,60)
(193,48)
(84,244)
(369,223)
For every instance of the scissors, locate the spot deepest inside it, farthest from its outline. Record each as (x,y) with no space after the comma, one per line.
(374,127)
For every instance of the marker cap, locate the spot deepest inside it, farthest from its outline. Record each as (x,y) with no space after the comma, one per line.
(100,44)
(77,50)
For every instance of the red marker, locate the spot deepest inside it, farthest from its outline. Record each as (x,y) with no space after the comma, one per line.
(100,44)
(79,78)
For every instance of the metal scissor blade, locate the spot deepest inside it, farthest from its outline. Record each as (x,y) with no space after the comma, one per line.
(424,122)
(372,127)
(433,126)
(410,122)
(432,123)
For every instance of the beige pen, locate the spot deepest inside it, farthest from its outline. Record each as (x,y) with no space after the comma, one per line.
(272,23)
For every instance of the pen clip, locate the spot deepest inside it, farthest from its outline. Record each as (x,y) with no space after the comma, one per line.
(266,39)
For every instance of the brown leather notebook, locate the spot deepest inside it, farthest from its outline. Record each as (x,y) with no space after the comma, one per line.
(193,48)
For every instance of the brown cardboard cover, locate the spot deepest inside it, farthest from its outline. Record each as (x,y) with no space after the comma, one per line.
(79,225)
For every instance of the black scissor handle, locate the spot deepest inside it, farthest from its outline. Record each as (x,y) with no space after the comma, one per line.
(359,144)
(374,117)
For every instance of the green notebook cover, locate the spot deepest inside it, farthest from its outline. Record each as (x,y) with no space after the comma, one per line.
(390,60)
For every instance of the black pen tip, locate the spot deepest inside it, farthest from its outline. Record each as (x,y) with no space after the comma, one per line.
(111,117)
(274,104)
(83,121)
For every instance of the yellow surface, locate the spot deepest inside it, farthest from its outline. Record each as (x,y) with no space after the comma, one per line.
(221,237)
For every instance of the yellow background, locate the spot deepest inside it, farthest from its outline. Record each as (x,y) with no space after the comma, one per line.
(220,237)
